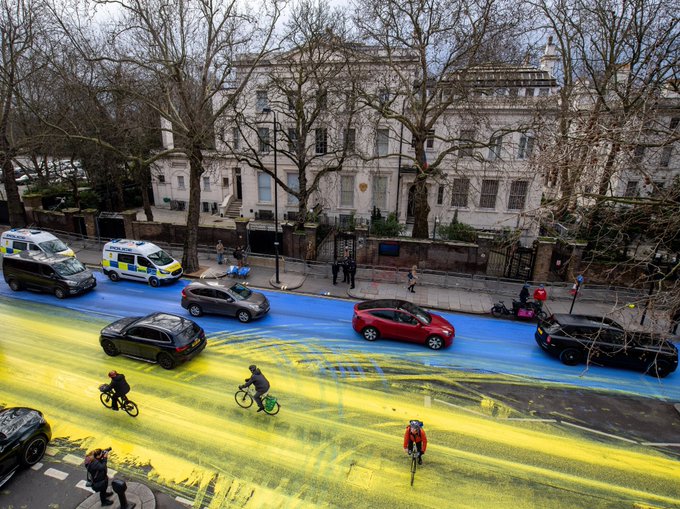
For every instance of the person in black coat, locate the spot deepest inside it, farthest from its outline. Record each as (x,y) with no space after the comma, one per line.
(261,385)
(352,269)
(345,270)
(335,268)
(98,471)
(524,294)
(119,386)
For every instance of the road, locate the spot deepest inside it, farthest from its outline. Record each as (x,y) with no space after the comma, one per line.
(501,415)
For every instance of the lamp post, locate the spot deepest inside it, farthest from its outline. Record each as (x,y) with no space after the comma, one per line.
(276,201)
(579,280)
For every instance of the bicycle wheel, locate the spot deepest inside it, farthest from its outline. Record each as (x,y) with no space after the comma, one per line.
(106,399)
(243,399)
(274,410)
(131,408)
(414,463)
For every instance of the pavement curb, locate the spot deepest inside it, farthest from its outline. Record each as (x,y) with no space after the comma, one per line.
(138,494)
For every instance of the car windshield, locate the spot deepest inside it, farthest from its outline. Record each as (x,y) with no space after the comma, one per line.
(188,334)
(419,313)
(53,246)
(241,291)
(69,267)
(161,258)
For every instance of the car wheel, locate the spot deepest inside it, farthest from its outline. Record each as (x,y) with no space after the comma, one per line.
(109,348)
(570,357)
(195,310)
(59,293)
(243,316)
(370,333)
(113,276)
(165,361)
(659,369)
(33,451)
(435,342)
(154,282)
(14,285)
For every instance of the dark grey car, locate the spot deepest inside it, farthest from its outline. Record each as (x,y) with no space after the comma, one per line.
(231,300)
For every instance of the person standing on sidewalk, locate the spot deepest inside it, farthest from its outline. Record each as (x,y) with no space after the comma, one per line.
(238,256)
(345,269)
(98,472)
(335,268)
(412,277)
(219,249)
(540,296)
(524,294)
(352,269)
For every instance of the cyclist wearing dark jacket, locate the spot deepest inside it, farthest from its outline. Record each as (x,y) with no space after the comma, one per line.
(261,385)
(118,386)
(415,434)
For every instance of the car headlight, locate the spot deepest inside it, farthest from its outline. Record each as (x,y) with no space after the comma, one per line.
(71,283)
(163,271)
(447,332)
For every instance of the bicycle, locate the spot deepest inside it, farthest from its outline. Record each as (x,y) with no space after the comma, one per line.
(414,454)
(244,399)
(106,397)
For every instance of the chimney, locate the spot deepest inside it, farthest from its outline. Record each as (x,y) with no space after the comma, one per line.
(166,134)
(549,58)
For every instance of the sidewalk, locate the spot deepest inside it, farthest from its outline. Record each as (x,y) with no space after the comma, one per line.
(461,294)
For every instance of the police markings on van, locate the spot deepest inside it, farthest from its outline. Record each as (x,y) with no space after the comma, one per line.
(25,239)
(140,261)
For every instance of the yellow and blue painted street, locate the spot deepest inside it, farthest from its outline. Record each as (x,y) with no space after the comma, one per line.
(337,441)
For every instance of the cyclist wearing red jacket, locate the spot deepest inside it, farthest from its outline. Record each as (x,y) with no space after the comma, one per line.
(415,434)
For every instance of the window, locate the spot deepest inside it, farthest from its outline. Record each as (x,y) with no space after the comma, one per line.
(665,160)
(518,194)
(350,100)
(262,101)
(495,144)
(674,122)
(161,178)
(321,145)
(526,146)
(350,140)
(467,137)
(543,91)
(347,191)
(180,182)
(143,262)
(205,206)
(429,142)
(639,153)
(440,195)
(235,138)
(487,199)
(206,183)
(529,92)
(292,139)
(291,102)
(383,96)
(380,192)
(126,258)
(225,181)
(631,189)
(264,187)
(293,181)
(382,141)
(322,99)
(263,139)
(459,192)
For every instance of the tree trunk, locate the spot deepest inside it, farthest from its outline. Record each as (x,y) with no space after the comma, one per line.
(190,256)
(17,214)
(144,177)
(421,209)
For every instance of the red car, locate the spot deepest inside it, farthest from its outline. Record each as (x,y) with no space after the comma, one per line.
(399,319)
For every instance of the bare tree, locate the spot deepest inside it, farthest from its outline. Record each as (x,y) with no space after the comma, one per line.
(426,46)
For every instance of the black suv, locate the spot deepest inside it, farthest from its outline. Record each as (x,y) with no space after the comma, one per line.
(580,338)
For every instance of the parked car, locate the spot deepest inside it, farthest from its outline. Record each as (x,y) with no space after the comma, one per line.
(579,338)
(401,320)
(159,337)
(24,435)
(231,300)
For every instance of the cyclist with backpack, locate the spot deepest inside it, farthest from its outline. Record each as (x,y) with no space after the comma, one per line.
(261,385)
(415,434)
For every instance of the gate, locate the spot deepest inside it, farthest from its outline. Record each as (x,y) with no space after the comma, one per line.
(514,262)
(345,241)
(560,260)
(110,225)
(261,239)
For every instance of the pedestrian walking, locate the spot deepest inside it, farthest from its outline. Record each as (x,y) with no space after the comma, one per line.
(219,249)
(412,277)
(335,269)
(97,470)
(345,270)
(352,269)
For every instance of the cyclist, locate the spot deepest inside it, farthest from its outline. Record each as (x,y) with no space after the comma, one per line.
(118,386)
(261,385)
(415,434)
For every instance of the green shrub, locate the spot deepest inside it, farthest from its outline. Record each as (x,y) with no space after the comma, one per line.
(457,231)
(389,227)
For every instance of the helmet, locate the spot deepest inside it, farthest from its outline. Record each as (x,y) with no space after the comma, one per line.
(414,424)
(252,368)
(113,373)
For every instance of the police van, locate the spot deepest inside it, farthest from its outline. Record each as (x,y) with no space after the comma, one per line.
(34,241)
(140,261)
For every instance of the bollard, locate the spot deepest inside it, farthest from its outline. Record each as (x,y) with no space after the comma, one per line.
(120,488)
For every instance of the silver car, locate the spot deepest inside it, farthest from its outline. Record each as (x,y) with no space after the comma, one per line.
(232,300)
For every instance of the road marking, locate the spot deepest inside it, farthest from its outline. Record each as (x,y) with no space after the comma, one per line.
(529,419)
(37,466)
(57,474)
(73,459)
(51,451)
(660,444)
(83,486)
(600,432)
(184,501)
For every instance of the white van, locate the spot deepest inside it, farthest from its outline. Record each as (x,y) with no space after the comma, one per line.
(25,239)
(139,260)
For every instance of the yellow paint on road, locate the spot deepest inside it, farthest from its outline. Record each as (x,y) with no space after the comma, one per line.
(337,441)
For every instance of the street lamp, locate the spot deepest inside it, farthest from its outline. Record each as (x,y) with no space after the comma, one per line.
(276,200)
(579,281)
